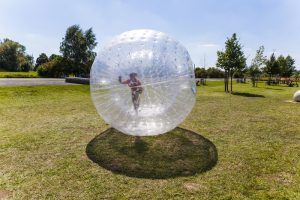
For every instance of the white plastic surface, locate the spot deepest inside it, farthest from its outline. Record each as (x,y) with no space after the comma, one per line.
(163,77)
(297,96)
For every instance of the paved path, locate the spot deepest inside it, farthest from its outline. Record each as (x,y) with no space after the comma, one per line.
(32,81)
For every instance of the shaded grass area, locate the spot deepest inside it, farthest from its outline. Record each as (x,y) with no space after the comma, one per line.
(44,132)
(246,94)
(18,75)
(179,152)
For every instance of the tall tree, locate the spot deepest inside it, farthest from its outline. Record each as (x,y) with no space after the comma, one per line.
(286,65)
(257,64)
(231,60)
(282,65)
(54,56)
(290,67)
(272,67)
(43,58)
(296,76)
(77,46)
(200,72)
(13,56)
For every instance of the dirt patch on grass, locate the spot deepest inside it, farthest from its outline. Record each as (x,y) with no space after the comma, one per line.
(4,194)
(193,187)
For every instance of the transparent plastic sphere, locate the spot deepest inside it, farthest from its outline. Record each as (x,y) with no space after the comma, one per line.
(143,83)
(297,96)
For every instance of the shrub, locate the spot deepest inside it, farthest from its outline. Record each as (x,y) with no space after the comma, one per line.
(60,67)
(18,75)
(55,68)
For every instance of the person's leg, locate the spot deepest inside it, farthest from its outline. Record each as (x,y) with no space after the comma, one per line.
(138,100)
(134,100)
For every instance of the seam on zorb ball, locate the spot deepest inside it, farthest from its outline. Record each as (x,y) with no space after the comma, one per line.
(143,83)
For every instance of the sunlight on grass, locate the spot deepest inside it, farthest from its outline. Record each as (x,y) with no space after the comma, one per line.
(45,130)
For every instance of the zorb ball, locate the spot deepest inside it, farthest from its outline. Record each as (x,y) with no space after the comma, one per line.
(143,83)
(297,96)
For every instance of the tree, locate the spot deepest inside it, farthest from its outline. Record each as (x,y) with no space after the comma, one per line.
(213,72)
(296,75)
(282,65)
(200,72)
(56,68)
(258,62)
(53,56)
(43,58)
(78,46)
(231,60)
(13,56)
(287,67)
(272,67)
(28,64)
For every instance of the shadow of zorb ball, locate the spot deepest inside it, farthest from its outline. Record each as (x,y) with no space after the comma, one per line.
(143,83)
(297,96)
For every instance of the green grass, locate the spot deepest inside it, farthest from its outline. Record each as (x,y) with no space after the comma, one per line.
(18,75)
(45,131)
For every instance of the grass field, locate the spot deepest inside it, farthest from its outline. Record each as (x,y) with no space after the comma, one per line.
(18,74)
(45,131)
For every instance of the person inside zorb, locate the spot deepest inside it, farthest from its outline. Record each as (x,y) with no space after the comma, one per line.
(136,89)
(143,83)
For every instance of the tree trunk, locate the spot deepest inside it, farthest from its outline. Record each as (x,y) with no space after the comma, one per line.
(226,81)
(227,85)
(231,83)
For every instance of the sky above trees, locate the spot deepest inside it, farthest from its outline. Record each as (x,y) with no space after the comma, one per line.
(202,26)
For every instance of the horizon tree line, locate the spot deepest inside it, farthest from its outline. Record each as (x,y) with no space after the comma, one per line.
(232,60)
(77,56)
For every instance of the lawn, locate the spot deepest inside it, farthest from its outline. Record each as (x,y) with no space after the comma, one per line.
(46,133)
(18,75)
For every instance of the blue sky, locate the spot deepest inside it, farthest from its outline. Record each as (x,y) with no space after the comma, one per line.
(202,26)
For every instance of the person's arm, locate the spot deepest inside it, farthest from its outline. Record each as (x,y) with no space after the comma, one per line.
(123,82)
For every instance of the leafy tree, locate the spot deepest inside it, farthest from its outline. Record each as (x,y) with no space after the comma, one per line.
(272,67)
(13,56)
(213,72)
(286,66)
(282,65)
(231,60)
(77,46)
(296,75)
(43,58)
(27,64)
(56,68)
(53,56)
(200,72)
(258,62)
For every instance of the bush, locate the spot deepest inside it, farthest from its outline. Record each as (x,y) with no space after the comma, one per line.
(211,72)
(18,75)
(56,68)
(60,67)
